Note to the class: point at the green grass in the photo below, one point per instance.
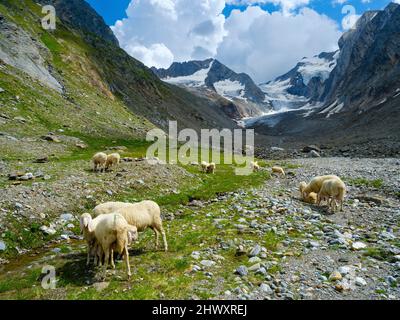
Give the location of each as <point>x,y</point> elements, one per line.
<point>362,182</point>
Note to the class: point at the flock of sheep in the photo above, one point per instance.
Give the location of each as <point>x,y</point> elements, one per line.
<point>114,226</point>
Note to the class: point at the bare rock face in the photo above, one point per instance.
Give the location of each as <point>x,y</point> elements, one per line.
<point>19,50</point>
<point>81,16</point>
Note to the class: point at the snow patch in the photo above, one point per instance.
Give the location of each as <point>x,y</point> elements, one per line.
<point>230,89</point>
<point>316,67</point>
<point>197,79</point>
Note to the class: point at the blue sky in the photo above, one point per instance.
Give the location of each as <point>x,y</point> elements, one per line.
<point>264,40</point>
<point>115,10</point>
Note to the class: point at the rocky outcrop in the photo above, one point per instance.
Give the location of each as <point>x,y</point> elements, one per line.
<point>81,16</point>
<point>19,50</point>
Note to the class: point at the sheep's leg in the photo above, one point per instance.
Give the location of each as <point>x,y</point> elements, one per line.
<point>106,258</point>
<point>88,255</point>
<point>164,239</point>
<point>112,259</point>
<point>128,267</point>
<point>156,233</point>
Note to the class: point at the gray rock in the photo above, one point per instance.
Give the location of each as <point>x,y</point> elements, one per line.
<point>242,271</point>
<point>255,251</point>
<point>314,154</point>
<point>207,263</point>
<point>67,217</point>
<point>266,289</point>
<point>3,246</point>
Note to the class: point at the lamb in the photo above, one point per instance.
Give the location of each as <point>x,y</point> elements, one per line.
<point>255,166</point>
<point>113,160</point>
<point>142,215</point>
<point>211,168</point>
<point>112,233</point>
<point>204,166</point>
<point>332,190</point>
<point>310,198</point>
<point>88,236</point>
<point>99,161</point>
<point>278,170</point>
<point>316,184</point>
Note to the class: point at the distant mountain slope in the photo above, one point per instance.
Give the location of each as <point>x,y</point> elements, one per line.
<point>301,84</point>
<point>82,46</point>
<point>211,74</point>
<point>361,97</point>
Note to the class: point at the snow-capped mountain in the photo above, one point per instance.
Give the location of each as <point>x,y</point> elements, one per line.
<point>302,84</point>
<point>212,75</point>
<point>357,95</point>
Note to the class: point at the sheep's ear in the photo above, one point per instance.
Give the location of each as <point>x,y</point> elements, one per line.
<point>90,226</point>
<point>132,235</point>
<point>84,222</point>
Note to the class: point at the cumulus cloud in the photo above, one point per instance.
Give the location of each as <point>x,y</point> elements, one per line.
<point>179,29</point>
<point>262,44</point>
<point>266,45</point>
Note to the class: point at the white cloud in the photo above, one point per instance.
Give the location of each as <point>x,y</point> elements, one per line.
<point>159,32</point>
<point>267,45</point>
<point>180,29</point>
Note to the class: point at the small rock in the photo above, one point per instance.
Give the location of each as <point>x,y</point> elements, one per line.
<point>242,271</point>
<point>47,230</point>
<point>335,276</point>
<point>255,251</point>
<point>266,288</point>
<point>67,217</point>
<point>207,263</point>
<point>314,154</point>
<point>3,246</point>
<point>100,286</point>
<point>360,282</point>
<point>254,260</point>
<point>358,246</point>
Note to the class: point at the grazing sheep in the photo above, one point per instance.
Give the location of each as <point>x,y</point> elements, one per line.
<point>278,170</point>
<point>92,249</point>
<point>204,166</point>
<point>113,160</point>
<point>142,215</point>
<point>332,190</point>
<point>99,161</point>
<point>316,184</point>
<point>211,168</point>
<point>112,234</point>
<point>310,198</point>
<point>255,166</point>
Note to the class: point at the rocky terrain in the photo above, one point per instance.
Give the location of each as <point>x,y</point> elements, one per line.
<point>260,242</point>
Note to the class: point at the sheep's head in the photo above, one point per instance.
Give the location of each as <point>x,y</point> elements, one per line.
<point>85,221</point>
<point>303,186</point>
<point>132,234</point>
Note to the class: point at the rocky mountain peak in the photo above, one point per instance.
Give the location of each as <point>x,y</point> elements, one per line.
<point>81,16</point>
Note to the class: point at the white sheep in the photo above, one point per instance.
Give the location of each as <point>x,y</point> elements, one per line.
<point>113,160</point>
<point>255,166</point>
<point>332,190</point>
<point>88,236</point>
<point>316,184</point>
<point>211,168</point>
<point>142,215</point>
<point>99,161</point>
<point>204,166</point>
<point>113,233</point>
<point>310,198</point>
<point>278,170</point>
